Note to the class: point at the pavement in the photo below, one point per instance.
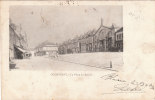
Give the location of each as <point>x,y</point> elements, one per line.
<point>72,62</point>
<point>46,63</point>
<point>112,60</point>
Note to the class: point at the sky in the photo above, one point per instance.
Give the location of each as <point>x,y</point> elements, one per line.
<point>60,23</point>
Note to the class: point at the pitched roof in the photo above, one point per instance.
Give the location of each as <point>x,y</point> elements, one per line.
<point>46,43</point>
<point>119,30</point>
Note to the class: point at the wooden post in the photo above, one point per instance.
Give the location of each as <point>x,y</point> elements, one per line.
<point>110,64</point>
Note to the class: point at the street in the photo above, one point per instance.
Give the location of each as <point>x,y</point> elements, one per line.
<point>45,63</point>
<point>72,62</point>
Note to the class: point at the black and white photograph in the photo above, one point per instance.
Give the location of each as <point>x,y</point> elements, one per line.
<point>71,38</point>
<point>77,50</point>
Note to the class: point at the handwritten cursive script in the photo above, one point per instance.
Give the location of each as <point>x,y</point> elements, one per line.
<point>113,77</point>
<point>125,86</point>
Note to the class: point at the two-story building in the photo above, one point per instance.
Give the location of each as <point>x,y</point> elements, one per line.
<point>17,42</point>
<point>46,49</point>
<point>104,38</point>
<point>119,39</point>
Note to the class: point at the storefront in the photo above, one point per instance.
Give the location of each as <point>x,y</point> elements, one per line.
<point>21,53</point>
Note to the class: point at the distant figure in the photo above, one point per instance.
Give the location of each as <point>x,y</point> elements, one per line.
<point>56,55</point>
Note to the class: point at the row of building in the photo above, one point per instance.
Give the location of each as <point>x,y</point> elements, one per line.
<point>104,39</point>
<point>17,42</point>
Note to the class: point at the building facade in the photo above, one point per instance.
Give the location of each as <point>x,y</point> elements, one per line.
<point>104,39</point>
<point>46,49</point>
<point>17,42</point>
<point>119,39</point>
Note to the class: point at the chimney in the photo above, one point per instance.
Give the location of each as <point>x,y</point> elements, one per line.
<point>112,26</point>
<point>101,22</point>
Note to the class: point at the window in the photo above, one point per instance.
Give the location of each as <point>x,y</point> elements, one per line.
<point>118,36</point>
<point>118,44</point>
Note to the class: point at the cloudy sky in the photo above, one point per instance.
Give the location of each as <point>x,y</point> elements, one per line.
<point>59,23</point>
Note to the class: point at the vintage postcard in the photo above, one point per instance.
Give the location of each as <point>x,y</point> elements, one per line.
<point>77,50</point>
